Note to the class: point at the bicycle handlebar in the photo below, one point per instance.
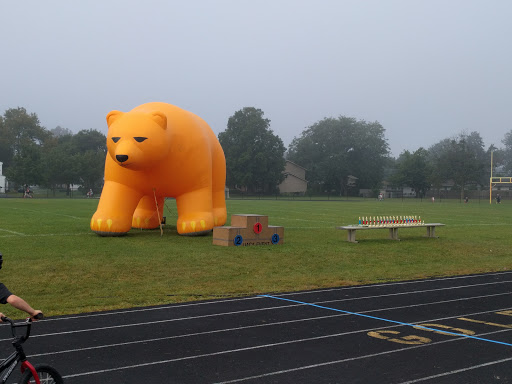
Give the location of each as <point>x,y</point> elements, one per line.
<point>39,316</point>
<point>27,324</point>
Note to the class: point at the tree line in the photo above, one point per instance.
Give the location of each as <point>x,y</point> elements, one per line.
<point>343,155</point>
<point>34,155</point>
<point>461,161</point>
<point>333,151</point>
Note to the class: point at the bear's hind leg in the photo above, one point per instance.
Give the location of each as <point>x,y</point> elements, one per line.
<point>218,186</point>
<point>146,215</point>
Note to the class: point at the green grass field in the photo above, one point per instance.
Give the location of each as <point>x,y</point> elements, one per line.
<point>55,262</point>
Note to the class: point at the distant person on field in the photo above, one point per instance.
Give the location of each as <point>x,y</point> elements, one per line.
<point>27,193</point>
<point>433,199</point>
<point>498,199</point>
<point>6,297</point>
<point>90,193</point>
<point>466,199</point>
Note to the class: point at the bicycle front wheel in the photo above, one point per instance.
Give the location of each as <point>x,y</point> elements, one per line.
<point>46,374</point>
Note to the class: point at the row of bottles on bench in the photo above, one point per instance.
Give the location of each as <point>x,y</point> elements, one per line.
<point>390,220</point>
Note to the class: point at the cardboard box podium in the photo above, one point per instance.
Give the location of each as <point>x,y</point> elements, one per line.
<point>246,230</point>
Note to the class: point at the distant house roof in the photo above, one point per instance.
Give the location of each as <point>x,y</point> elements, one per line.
<point>300,166</point>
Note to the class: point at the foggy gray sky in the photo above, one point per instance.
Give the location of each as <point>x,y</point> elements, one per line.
<point>426,70</point>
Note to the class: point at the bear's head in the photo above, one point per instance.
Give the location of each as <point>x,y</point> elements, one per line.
<point>137,140</point>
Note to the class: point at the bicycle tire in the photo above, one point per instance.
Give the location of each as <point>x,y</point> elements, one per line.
<point>46,373</point>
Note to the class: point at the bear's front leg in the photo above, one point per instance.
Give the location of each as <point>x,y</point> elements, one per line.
<point>115,209</point>
<point>195,212</point>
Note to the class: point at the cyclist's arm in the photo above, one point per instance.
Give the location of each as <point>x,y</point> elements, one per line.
<point>18,303</point>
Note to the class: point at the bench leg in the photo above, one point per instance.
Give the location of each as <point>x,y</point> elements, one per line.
<point>431,231</point>
<point>351,235</point>
<point>393,234</point>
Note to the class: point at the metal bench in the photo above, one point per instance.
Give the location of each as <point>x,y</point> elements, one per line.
<point>393,229</point>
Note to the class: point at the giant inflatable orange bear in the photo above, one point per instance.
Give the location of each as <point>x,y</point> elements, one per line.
<point>158,150</point>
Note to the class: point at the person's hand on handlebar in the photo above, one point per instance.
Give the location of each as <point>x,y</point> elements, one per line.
<point>36,315</point>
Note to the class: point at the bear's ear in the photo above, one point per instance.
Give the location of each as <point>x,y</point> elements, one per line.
<point>113,116</point>
<point>159,118</point>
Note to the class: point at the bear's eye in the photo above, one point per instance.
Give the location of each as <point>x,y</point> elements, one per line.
<point>139,139</point>
<point>116,139</point>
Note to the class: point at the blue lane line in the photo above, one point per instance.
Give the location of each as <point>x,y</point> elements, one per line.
<point>389,321</point>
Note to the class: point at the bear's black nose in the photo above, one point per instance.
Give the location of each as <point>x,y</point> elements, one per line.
<point>121,158</point>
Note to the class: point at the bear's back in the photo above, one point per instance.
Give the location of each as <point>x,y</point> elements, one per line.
<point>177,118</point>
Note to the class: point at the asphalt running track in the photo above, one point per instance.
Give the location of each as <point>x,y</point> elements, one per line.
<point>446,330</point>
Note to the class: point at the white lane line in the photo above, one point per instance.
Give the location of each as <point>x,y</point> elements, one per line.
<point>48,213</point>
<point>243,328</point>
<point>422,327</point>
<point>181,336</point>
<point>174,306</point>
<point>458,371</point>
<point>167,307</point>
<point>405,293</point>
<point>16,234</point>
<point>267,346</point>
<point>396,283</point>
<point>262,309</point>
<point>12,232</point>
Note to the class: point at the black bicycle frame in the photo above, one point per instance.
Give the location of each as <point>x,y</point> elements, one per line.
<point>11,362</point>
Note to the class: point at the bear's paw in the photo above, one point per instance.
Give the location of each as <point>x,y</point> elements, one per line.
<point>145,222</point>
<point>195,226</point>
<point>106,227</point>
